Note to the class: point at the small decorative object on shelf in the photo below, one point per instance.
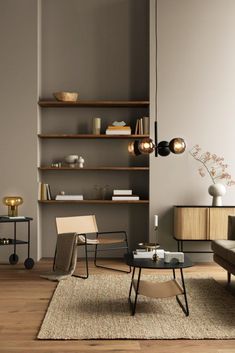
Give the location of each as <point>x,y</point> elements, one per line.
<point>217,170</point>
<point>104,192</point>
<point>66,96</point>
<point>96,126</point>
<point>12,202</point>
<point>56,165</point>
<point>81,162</point>
<point>71,160</point>
<point>4,241</point>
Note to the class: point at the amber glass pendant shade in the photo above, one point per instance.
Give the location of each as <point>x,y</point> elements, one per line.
<point>146,146</point>
<point>12,202</point>
<point>177,145</point>
<point>133,148</point>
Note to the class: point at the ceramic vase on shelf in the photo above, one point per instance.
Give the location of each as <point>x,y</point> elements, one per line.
<point>217,191</point>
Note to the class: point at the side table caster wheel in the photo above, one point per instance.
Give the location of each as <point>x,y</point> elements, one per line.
<point>29,263</point>
<point>13,259</point>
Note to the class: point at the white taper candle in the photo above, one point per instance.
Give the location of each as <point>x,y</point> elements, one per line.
<point>156,220</point>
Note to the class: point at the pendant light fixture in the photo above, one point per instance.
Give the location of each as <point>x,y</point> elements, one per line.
<point>146,145</point>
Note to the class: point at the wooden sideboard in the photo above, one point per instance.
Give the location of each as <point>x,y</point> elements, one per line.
<point>201,222</point>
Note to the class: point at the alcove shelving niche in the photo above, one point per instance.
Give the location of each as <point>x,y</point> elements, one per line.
<point>65,131</point>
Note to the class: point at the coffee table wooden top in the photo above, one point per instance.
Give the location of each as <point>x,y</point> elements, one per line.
<point>159,264</point>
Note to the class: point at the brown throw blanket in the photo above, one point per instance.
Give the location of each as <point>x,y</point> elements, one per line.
<point>66,258</point>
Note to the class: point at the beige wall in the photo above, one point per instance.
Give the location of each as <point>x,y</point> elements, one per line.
<point>18,113</point>
<point>196,59</point>
<point>196,85</point>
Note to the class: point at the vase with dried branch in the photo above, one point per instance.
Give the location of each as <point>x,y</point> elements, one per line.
<point>217,170</point>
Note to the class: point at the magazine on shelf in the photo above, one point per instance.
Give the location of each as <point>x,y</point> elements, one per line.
<point>118,132</point>
<point>69,197</point>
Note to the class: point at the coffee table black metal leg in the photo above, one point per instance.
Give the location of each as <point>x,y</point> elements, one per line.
<point>133,306</point>
<point>133,273</point>
<point>184,308</point>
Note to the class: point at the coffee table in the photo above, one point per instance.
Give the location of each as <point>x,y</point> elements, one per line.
<point>158,289</point>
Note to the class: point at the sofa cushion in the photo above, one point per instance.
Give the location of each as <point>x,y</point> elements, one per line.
<point>225,264</point>
<point>231,256</point>
<point>231,227</point>
<point>225,249</point>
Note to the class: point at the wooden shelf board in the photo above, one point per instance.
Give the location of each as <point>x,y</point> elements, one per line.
<point>95,168</point>
<point>53,202</point>
<point>89,136</point>
<point>48,103</point>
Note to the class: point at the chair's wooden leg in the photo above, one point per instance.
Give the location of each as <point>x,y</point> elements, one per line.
<point>229,277</point>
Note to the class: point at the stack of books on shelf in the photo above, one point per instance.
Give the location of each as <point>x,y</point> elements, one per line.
<point>142,126</point>
<point>118,130</point>
<point>69,197</point>
<point>124,195</point>
<point>44,192</point>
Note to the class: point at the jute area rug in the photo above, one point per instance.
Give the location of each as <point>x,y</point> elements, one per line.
<point>97,308</point>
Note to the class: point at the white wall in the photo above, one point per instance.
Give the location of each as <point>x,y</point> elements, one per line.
<point>195,100</point>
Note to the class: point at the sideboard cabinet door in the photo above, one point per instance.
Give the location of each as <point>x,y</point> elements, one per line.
<point>218,222</point>
<point>191,223</point>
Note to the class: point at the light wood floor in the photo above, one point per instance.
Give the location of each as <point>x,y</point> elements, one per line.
<point>24,297</point>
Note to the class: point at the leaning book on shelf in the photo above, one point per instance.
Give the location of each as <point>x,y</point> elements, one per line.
<point>48,192</point>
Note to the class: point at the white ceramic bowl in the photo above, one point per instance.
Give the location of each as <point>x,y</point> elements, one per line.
<point>71,159</point>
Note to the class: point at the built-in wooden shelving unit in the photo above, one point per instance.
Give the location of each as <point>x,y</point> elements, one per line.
<point>109,202</point>
<point>47,103</point>
<point>94,168</point>
<point>89,136</point>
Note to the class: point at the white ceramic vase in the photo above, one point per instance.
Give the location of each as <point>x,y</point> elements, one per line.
<point>217,191</point>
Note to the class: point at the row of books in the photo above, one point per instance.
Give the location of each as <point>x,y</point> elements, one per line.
<point>124,195</point>
<point>44,192</point>
<point>142,126</point>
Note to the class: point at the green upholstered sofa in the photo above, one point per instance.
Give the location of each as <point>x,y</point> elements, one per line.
<point>224,250</point>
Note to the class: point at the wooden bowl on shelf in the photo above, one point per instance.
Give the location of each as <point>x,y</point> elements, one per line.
<point>66,96</point>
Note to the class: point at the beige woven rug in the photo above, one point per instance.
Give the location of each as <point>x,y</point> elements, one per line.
<point>97,308</point>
